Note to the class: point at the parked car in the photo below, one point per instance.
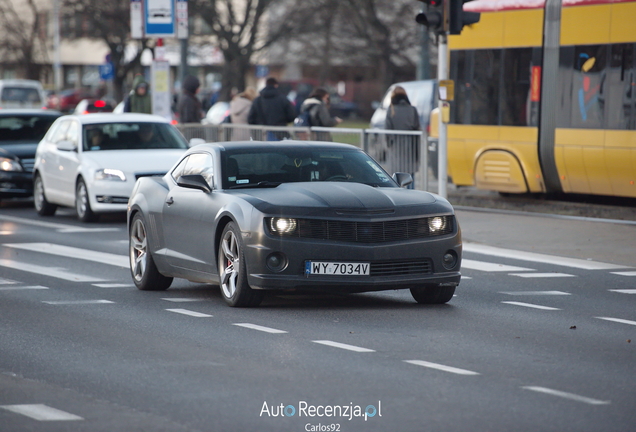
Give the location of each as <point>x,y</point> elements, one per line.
<point>255,216</point>
<point>21,93</point>
<point>89,106</point>
<point>422,95</point>
<point>91,162</point>
<point>20,132</point>
<point>67,100</point>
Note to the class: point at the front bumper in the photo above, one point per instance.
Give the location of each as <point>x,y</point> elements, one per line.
<point>410,264</point>
<point>15,184</point>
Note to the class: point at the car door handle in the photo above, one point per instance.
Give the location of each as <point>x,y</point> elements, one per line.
<point>170,201</point>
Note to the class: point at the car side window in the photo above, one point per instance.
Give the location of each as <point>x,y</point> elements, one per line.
<point>200,163</point>
<point>72,134</point>
<point>178,170</point>
<point>60,132</point>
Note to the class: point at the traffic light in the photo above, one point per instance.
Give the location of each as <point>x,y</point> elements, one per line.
<point>433,17</point>
<point>458,18</point>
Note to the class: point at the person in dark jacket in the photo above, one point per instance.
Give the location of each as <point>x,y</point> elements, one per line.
<point>189,107</point>
<point>139,100</point>
<point>401,115</point>
<point>272,108</point>
<point>317,105</point>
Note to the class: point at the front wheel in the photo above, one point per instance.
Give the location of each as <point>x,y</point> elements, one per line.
<point>431,294</point>
<point>232,271</point>
<point>142,267</point>
<point>42,206</point>
<point>82,203</point>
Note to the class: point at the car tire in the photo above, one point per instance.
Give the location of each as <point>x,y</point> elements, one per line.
<point>232,271</point>
<point>42,206</point>
<point>433,294</point>
<point>142,266</point>
<point>82,203</point>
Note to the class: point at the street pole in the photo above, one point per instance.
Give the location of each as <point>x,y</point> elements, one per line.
<point>57,63</point>
<point>442,74</point>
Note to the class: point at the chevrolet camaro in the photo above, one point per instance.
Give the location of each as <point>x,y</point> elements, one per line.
<point>257,216</point>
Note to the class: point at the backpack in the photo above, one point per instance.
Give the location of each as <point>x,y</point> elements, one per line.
<point>303,119</point>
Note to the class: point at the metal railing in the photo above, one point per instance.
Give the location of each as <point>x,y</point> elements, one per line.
<point>396,151</point>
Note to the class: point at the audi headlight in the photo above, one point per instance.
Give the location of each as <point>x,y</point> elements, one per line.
<point>282,226</point>
<point>7,164</point>
<point>436,224</point>
<point>110,174</point>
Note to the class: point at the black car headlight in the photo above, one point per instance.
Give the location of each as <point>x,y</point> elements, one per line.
<point>282,226</point>
<point>7,164</point>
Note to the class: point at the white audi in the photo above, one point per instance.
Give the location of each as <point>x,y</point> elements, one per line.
<point>91,162</point>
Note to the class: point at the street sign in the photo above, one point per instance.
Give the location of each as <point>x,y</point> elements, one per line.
<point>136,19</point>
<point>182,19</point>
<point>159,18</point>
<point>160,88</point>
<point>106,71</point>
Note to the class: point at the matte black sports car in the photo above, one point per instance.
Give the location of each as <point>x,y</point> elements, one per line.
<point>254,216</point>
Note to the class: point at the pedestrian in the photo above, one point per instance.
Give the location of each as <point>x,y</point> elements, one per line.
<point>317,107</point>
<point>241,104</point>
<point>189,107</point>
<point>401,115</point>
<point>139,101</point>
<point>272,108</point>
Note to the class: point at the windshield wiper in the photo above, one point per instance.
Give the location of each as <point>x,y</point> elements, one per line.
<point>262,184</point>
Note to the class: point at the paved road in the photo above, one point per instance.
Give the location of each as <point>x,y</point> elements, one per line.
<point>541,336</point>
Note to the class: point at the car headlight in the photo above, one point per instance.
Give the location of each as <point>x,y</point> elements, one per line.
<point>282,226</point>
<point>436,224</point>
<point>110,174</point>
<point>7,164</point>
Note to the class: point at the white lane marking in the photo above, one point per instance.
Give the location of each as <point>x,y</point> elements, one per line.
<point>566,395</point>
<point>490,267</point>
<point>629,273</point>
<point>343,346</point>
<point>536,257</point>
<point>541,275</point>
<point>535,293</point>
<point>73,252</point>
<point>259,328</point>
<point>15,288</point>
<point>56,226</point>
<point>7,281</point>
<point>466,277</point>
<point>183,300</point>
<point>624,291</point>
<point>618,320</point>
<point>41,412</point>
<point>530,305</point>
<point>78,302</point>
<point>189,313</point>
<point>441,367</point>
<point>48,271</point>
<point>112,285</point>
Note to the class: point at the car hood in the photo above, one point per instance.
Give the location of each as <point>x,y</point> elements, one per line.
<point>26,150</point>
<point>155,160</point>
<point>342,198</point>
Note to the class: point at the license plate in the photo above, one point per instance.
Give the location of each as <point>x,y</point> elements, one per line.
<point>336,268</point>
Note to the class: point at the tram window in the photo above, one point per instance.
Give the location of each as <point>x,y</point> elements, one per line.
<point>515,89</point>
<point>620,87</point>
<point>461,73</point>
<point>485,87</point>
<point>588,76</point>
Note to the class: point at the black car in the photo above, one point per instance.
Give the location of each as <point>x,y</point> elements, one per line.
<point>20,132</point>
<point>255,216</point>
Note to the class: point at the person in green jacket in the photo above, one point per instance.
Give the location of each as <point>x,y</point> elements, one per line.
<point>139,98</point>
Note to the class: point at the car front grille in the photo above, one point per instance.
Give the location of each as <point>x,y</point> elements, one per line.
<point>398,268</point>
<point>371,232</point>
<point>28,164</point>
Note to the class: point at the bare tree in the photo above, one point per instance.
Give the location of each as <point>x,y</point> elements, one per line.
<point>109,20</point>
<point>23,42</point>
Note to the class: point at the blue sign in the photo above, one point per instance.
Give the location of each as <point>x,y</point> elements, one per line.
<point>261,71</point>
<point>106,71</point>
<point>159,18</point>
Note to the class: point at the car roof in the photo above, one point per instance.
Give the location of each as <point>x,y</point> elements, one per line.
<point>254,145</point>
<point>23,82</point>
<point>116,118</point>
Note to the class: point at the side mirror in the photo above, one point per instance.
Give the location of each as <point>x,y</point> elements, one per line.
<point>403,179</point>
<point>196,141</point>
<point>194,181</point>
<point>66,146</point>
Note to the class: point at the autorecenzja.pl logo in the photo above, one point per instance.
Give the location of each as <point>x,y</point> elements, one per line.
<point>304,409</point>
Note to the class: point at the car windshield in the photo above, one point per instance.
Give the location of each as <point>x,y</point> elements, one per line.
<point>132,136</point>
<point>252,168</point>
<point>29,128</point>
<point>20,94</point>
